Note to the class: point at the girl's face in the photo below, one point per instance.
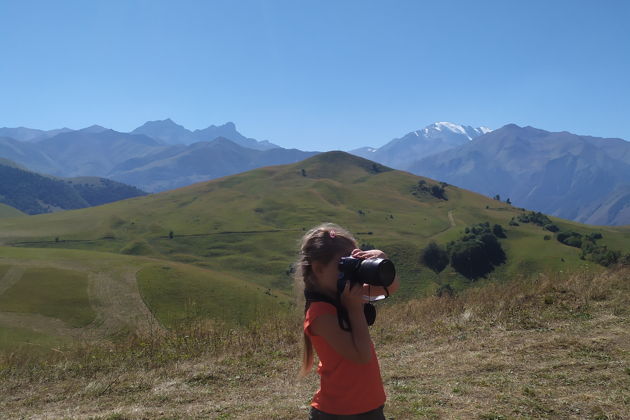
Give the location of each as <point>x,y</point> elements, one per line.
<point>326,275</point>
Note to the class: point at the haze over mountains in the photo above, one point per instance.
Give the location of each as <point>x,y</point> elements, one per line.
<point>582,178</point>
<point>157,156</point>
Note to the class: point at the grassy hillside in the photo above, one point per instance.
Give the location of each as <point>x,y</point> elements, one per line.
<point>248,225</point>
<point>222,250</point>
<point>540,347</point>
<point>193,285</point>
<point>33,193</point>
<point>8,211</point>
<point>58,294</point>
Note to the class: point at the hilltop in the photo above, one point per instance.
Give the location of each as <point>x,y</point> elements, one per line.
<point>34,193</point>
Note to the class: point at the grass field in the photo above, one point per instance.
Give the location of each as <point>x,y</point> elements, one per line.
<point>178,294</point>
<point>51,292</point>
<point>547,346</point>
<point>25,340</point>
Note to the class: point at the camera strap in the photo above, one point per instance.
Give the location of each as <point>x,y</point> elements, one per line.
<point>342,315</point>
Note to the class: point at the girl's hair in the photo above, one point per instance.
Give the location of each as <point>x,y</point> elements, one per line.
<point>320,244</point>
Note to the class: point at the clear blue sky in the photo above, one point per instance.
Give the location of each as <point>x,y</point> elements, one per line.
<point>317,74</point>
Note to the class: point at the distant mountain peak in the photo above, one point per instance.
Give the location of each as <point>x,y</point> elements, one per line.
<point>434,138</point>
<point>94,129</point>
<point>442,127</point>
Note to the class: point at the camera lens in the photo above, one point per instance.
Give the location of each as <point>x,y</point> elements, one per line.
<point>377,272</point>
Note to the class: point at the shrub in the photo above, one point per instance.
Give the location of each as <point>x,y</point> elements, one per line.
<point>435,190</point>
<point>498,231</point>
<point>602,255</point>
<point>477,252</point>
<point>434,257</point>
<point>551,227</point>
<point>573,239</point>
<point>536,218</point>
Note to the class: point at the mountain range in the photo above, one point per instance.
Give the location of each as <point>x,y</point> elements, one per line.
<point>581,178</point>
<point>157,156</point>
<point>172,133</point>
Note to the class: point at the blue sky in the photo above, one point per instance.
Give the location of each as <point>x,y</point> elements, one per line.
<point>317,75</point>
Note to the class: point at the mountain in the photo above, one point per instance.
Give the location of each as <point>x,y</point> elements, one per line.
<point>401,152</point>
<point>148,161</point>
<point>94,151</point>
<point>561,174</point>
<point>179,166</point>
<point>166,131</point>
<point>33,193</point>
<point>171,133</point>
<point>27,154</point>
<point>30,134</point>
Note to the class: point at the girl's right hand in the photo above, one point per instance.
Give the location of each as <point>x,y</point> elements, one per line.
<point>352,297</point>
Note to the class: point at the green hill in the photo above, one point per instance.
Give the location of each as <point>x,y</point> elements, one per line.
<point>34,193</point>
<point>248,225</point>
<point>8,211</point>
<point>223,249</point>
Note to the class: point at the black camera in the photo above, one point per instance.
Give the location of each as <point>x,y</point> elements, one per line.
<point>373,271</point>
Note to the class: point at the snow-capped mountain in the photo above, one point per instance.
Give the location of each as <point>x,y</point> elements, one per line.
<point>438,137</point>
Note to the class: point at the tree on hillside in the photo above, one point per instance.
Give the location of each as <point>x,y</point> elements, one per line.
<point>434,257</point>
<point>498,231</point>
<point>477,251</point>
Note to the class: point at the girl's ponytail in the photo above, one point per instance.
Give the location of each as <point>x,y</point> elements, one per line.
<point>307,356</point>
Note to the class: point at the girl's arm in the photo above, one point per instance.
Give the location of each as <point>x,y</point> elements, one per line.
<point>369,290</point>
<point>355,345</point>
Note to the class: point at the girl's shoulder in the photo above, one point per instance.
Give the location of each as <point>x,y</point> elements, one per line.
<point>317,309</point>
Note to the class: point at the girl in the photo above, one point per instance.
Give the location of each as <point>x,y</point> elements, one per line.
<point>351,385</point>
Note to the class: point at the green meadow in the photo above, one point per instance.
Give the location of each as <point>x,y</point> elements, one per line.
<point>26,340</point>
<point>179,294</point>
<point>8,211</point>
<point>50,292</point>
<point>222,250</point>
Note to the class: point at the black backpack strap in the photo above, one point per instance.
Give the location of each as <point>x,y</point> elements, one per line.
<point>342,315</point>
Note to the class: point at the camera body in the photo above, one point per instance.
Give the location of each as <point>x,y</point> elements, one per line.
<point>373,271</point>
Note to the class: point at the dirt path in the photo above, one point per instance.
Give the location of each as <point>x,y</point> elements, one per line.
<point>113,294</point>
<point>116,299</point>
<point>451,219</point>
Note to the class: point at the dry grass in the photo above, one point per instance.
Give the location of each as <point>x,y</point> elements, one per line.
<point>549,347</point>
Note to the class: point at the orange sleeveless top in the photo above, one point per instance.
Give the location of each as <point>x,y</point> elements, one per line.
<point>345,387</point>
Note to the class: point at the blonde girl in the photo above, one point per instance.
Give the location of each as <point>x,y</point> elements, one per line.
<point>350,380</point>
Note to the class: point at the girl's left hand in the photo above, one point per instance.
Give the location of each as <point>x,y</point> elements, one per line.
<point>364,255</point>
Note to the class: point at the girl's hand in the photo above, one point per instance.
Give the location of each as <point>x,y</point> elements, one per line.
<point>364,255</point>
<point>352,297</point>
